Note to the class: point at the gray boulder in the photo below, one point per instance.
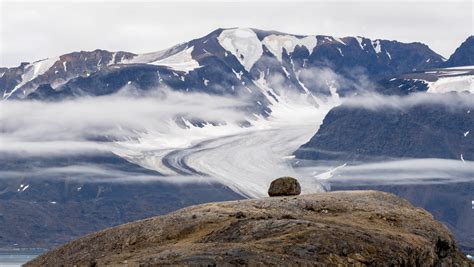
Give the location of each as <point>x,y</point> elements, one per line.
<point>284,186</point>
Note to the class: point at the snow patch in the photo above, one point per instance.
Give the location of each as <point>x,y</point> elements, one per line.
<point>243,44</point>
<point>181,61</point>
<point>452,84</point>
<point>149,57</point>
<point>339,40</point>
<point>276,43</point>
<point>238,74</point>
<point>285,71</point>
<point>377,46</point>
<point>340,51</point>
<point>32,71</point>
<point>22,187</point>
<point>112,61</point>
<point>359,41</point>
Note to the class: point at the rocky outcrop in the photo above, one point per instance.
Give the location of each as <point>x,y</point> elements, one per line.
<point>284,186</point>
<point>357,228</point>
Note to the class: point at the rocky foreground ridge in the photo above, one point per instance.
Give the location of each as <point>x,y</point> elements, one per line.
<point>357,228</point>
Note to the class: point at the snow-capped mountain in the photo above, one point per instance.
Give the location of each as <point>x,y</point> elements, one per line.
<point>454,75</point>
<point>227,61</point>
<point>424,124</point>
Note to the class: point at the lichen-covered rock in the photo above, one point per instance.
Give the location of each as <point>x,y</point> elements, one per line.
<point>344,228</point>
<point>284,186</point>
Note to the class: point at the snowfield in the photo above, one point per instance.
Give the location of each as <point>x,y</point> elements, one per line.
<point>452,84</point>
<point>181,61</point>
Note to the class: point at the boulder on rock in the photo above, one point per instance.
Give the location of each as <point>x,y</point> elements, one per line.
<point>284,186</point>
<point>344,228</point>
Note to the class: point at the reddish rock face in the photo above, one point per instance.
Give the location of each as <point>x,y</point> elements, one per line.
<point>65,68</point>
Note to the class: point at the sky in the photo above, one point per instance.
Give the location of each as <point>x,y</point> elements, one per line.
<point>34,30</point>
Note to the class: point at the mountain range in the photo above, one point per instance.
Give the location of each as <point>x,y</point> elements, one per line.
<point>227,61</point>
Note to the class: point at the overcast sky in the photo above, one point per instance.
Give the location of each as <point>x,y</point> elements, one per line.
<point>33,30</point>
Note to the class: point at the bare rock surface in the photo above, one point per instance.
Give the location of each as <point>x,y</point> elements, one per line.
<point>356,228</point>
<point>284,186</point>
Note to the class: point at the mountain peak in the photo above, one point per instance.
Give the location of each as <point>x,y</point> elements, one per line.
<point>463,56</point>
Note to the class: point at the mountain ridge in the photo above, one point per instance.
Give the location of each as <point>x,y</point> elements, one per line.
<point>462,56</point>
<point>286,52</point>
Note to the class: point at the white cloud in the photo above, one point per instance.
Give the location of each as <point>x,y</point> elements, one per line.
<point>96,173</point>
<point>375,101</point>
<point>404,171</point>
<point>69,126</point>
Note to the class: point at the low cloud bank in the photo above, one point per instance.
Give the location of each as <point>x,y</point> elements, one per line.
<point>407,171</point>
<point>375,101</point>
<point>83,124</point>
<point>94,173</point>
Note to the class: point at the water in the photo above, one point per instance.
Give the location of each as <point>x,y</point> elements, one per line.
<point>14,258</point>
